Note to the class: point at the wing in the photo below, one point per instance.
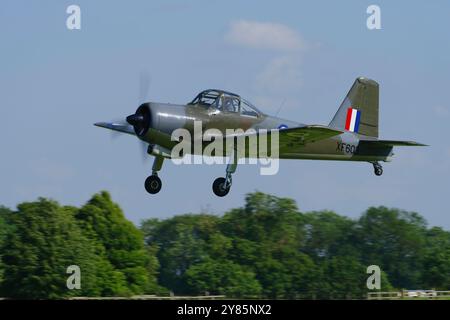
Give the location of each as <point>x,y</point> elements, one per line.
<point>306,134</point>
<point>298,135</point>
<point>124,128</point>
<point>291,139</point>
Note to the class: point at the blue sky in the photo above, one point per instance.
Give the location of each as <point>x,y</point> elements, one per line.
<point>55,83</point>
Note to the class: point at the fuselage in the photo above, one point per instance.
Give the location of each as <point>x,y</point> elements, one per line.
<point>166,118</point>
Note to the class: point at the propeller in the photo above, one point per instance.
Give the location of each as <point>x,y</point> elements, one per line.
<point>140,119</point>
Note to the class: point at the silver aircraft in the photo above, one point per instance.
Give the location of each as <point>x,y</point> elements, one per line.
<point>352,134</point>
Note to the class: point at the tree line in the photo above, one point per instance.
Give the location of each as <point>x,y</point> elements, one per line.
<point>265,249</point>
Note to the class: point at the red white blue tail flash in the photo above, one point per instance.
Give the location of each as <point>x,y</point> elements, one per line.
<point>352,121</point>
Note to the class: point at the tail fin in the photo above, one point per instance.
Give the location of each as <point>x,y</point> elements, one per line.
<point>359,110</point>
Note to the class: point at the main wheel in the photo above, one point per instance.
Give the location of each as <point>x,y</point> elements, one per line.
<point>153,184</point>
<point>218,187</point>
<point>378,171</point>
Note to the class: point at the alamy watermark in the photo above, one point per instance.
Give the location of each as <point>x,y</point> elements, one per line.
<point>212,146</point>
<point>74,280</point>
<point>73,21</point>
<point>373,22</point>
<point>374,280</point>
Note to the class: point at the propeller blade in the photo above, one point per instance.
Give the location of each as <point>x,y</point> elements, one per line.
<point>115,134</point>
<point>143,146</point>
<point>144,90</point>
<point>144,85</point>
<point>137,120</point>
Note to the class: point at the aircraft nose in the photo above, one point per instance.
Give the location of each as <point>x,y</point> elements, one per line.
<point>141,120</point>
<point>135,119</point>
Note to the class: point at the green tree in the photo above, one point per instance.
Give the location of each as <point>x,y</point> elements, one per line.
<point>330,242</point>
<point>436,261</point>
<point>45,241</point>
<point>328,235</point>
<point>268,236</point>
<point>103,222</point>
<point>182,241</point>
<point>267,248</point>
<point>264,218</point>
<point>345,278</point>
<point>4,213</point>
<point>395,241</point>
<point>222,277</point>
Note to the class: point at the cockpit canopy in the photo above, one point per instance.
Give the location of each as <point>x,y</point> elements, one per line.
<point>226,102</point>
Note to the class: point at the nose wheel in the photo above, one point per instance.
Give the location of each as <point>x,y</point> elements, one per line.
<point>153,183</point>
<point>221,186</point>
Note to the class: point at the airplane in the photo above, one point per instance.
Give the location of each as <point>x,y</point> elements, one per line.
<point>352,134</point>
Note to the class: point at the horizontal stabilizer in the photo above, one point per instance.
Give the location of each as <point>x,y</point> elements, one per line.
<point>125,128</point>
<point>391,143</point>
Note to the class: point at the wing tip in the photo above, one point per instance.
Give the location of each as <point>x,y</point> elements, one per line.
<point>396,143</point>
<point>415,144</point>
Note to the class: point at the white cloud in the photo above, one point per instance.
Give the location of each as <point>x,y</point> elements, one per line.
<point>264,35</point>
<point>441,111</point>
<point>281,75</point>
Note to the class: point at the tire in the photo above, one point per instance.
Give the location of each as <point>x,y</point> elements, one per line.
<point>153,184</point>
<point>218,187</point>
<point>378,171</point>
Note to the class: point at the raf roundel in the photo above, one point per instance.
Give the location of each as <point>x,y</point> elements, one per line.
<point>282,126</point>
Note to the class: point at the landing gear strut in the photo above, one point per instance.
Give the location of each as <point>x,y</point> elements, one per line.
<point>153,183</point>
<point>377,168</point>
<point>221,186</point>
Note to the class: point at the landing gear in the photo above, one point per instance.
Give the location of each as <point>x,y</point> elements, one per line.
<point>153,183</point>
<point>221,186</point>
<point>377,168</point>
